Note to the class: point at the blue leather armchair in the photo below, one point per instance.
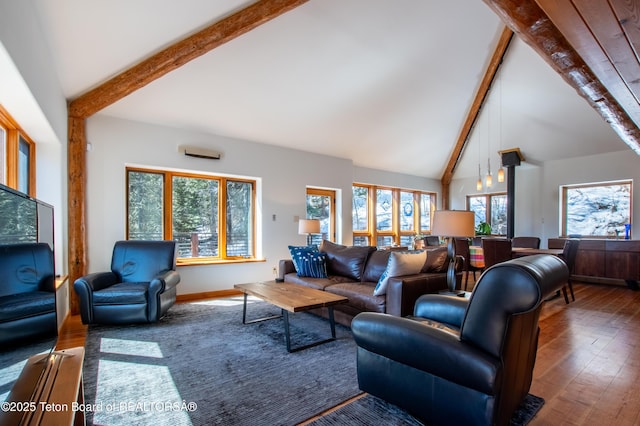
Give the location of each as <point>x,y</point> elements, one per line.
<point>457,360</point>
<point>27,292</point>
<point>140,288</point>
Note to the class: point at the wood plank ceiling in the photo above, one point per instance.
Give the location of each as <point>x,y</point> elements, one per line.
<point>593,45</point>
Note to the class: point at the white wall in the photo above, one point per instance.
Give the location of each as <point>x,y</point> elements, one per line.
<point>398,180</point>
<point>596,168</point>
<point>30,91</point>
<point>537,210</point>
<point>284,175</point>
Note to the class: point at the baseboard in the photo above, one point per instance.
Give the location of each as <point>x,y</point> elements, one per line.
<point>207,295</point>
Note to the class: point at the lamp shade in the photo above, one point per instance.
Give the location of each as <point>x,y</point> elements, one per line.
<point>308,226</point>
<point>453,223</point>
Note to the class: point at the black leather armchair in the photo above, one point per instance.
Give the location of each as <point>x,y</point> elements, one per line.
<point>457,360</point>
<point>27,292</point>
<point>140,288</point>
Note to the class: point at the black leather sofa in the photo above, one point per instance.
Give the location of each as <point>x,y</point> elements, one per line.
<point>140,288</point>
<point>458,360</point>
<point>27,292</point>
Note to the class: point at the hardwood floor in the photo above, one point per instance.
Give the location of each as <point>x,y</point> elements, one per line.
<point>588,363</point>
<point>73,333</point>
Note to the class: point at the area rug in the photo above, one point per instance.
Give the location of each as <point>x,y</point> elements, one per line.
<point>201,366</point>
<point>370,410</point>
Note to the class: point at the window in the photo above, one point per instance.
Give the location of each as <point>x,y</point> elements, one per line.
<point>212,218</point>
<point>384,216</point>
<point>596,210</point>
<point>17,156</point>
<point>321,205</point>
<point>24,165</point>
<point>490,208</point>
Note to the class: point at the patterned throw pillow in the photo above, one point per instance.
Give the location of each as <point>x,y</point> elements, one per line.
<point>308,261</point>
<point>400,263</point>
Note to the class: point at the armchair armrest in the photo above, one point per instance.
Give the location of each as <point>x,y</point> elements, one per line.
<point>165,280</point>
<point>426,348</point>
<point>85,286</point>
<point>285,266</point>
<point>402,292</point>
<point>96,281</point>
<point>445,309</point>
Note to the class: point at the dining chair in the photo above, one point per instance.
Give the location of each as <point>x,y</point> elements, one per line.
<point>462,250</point>
<point>569,253</point>
<point>525,242</point>
<point>496,250</point>
<point>432,240</point>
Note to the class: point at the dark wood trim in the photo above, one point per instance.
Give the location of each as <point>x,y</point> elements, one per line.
<point>191,297</point>
<point>474,111</point>
<point>178,54</point>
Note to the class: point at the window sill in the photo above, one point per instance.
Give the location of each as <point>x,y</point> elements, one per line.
<point>199,262</point>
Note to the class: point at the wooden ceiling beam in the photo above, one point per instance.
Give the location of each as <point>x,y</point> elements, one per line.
<point>474,111</point>
<point>533,26</point>
<point>178,54</point>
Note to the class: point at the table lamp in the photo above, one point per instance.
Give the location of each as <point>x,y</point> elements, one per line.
<point>453,224</point>
<point>308,227</point>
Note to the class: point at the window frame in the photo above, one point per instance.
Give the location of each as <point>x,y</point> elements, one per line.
<point>11,167</point>
<point>396,233</point>
<point>331,236</point>
<point>167,214</point>
<point>488,198</point>
<point>563,203</point>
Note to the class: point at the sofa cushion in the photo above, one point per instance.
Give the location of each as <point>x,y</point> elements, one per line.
<point>347,261</point>
<point>317,283</point>
<point>376,264</point>
<point>400,263</point>
<point>360,296</point>
<point>23,305</point>
<point>436,260</point>
<point>308,261</point>
<point>122,294</point>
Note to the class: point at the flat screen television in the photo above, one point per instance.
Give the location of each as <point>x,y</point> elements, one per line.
<point>23,219</point>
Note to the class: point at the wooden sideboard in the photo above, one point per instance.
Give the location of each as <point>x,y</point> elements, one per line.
<point>605,261</point>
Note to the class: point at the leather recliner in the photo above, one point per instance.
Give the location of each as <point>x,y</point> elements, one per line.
<point>140,288</point>
<point>27,292</point>
<point>458,360</point>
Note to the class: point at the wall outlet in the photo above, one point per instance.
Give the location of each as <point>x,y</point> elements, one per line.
<point>275,271</point>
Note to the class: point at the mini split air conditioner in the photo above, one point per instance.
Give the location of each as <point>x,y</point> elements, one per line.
<point>195,151</point>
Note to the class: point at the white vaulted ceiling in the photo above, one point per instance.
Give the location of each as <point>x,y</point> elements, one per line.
<point>387,84</point>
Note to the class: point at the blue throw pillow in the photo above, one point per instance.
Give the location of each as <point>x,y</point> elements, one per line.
<point>308,261</point>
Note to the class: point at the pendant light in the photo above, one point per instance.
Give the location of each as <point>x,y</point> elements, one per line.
<point>479,182</point>
<point>501,169</point>
<point>488,180</point>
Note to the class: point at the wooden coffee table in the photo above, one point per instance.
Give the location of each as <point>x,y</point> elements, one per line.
<point>291,298</point>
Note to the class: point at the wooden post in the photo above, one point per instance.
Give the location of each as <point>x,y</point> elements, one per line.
<point>77,182</point>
